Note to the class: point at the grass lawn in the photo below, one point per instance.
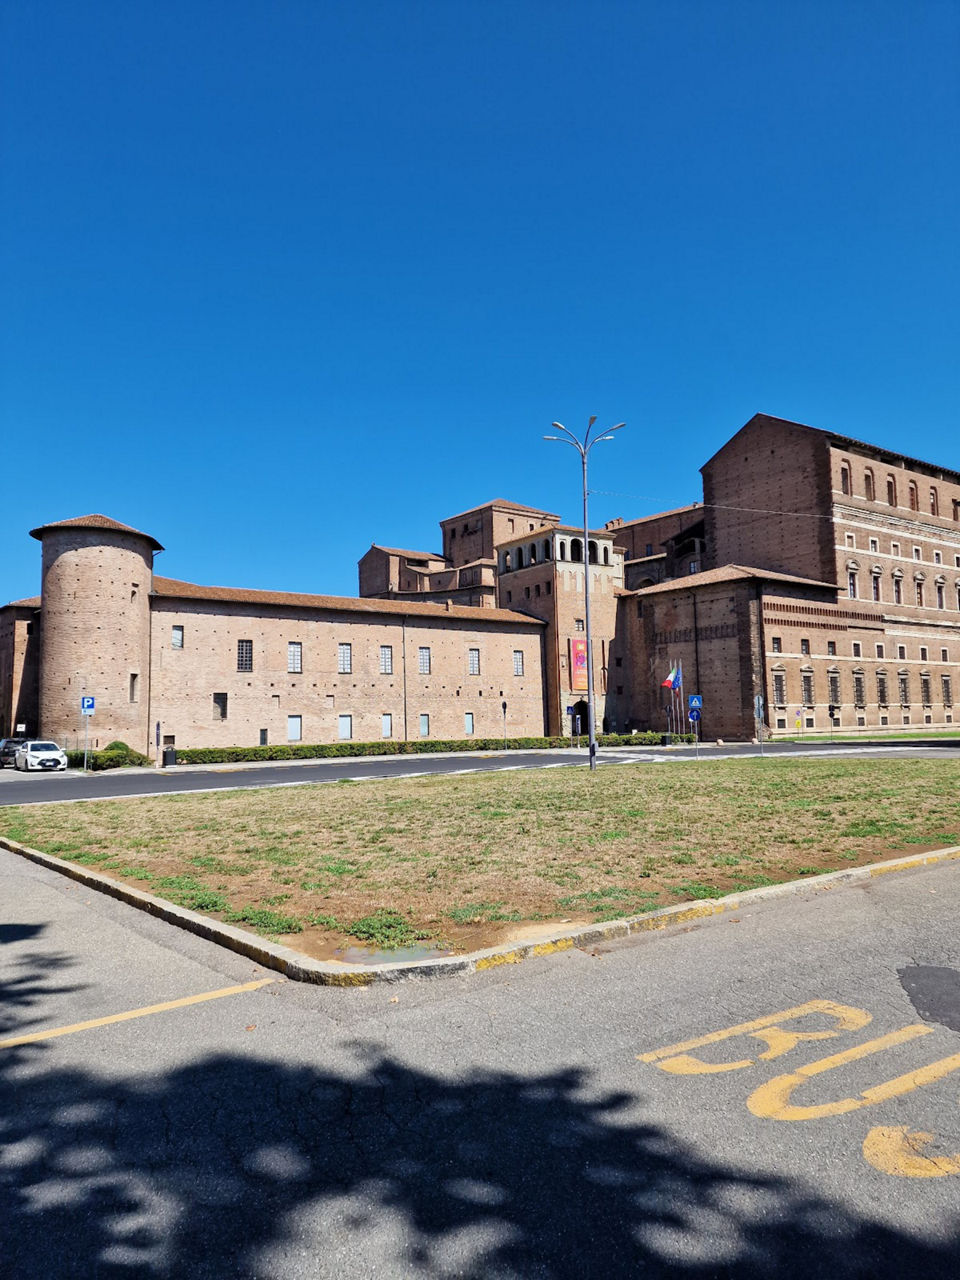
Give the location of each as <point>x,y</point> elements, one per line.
<point>469,860</point>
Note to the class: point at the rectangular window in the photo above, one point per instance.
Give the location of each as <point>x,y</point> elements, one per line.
<point>881,689</point>
<point>467,723</point>
<point>831,648</point>
<point>947,691</point>
<point>834,682</point>
<point>859,693</point>
<point>648,549</point>
<point>344,728</point>
<point>875,586</point>
<point>386,659</point>
<point>779,689</point>
<point>916,553</point>
<point>925,690</point>
<point>578,624</point>
<point>176,637</point>
<point>943,656</point>
<point>920,594</point>
<point>694,566</point>
<point>294,728</point>
<point>852,585</point>
<point>879,650</point>
<point>776,644</point>
<point>344,659</point>
<point>806,685</point>
<point>294,657</point>
<point>897,591</point>
<point>134,687</point>
<point>473,662</point>
<point>941,601</point>
<point>423,660</point>
<point>424,725</point>
<point>874,545</point>
<point>805,646</point>
<point>244,655</point>
<point>219,706</point>
<point>901,651</point>
<point>903,684</point>
<point>518,662</point>
<point>923,653</point>
<point>937,558</point>
<point>263,737</point>
<point>850,540</point>
<point>386,725</point>
<point>894,548</point>
<point>857,649</point>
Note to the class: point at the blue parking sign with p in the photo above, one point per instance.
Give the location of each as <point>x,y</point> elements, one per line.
<point>87,706</point>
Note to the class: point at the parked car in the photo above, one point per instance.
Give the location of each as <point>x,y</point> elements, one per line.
<point>39,755</point>
<point>8,749</point>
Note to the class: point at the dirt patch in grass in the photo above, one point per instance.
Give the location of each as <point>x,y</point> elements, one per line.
<point>476,859</point>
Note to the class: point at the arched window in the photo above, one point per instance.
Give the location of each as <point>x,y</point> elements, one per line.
<point>506,562</point>
<point>934,502</point>
<point>914,497</point>
<point>532,553</point>
<point>563,549</point>
<point>898,586</point>
<point>592,550</point>
<point>576,550</point>
<point>852,569</point>
<point>868,489</point>
<point>546,549</point>
<point>519,551</point>
<point>606,555</point>
<point>891,491</point>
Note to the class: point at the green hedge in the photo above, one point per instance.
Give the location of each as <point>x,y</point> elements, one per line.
<point>335,750</point>
<point>109,758</point>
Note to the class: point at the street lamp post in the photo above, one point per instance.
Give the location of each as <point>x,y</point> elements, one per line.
<point>583,447</point>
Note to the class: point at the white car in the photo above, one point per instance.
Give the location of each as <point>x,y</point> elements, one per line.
<point>39,755</point>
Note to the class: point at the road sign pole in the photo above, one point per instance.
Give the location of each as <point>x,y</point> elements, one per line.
<point>86,740</point>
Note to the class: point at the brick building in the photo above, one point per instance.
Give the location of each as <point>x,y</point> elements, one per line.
<point>818,572</point>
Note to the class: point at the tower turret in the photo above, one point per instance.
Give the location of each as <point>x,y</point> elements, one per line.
<point>95,628</point>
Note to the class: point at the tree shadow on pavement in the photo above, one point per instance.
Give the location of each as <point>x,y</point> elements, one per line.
<point>237,1166</point>
<point>27,981</point>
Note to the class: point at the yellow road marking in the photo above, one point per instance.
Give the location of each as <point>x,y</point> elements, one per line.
<point>895,1150</point>
<point>772,1100</point>
<point>675,1060</point>
<point>135,1013</point>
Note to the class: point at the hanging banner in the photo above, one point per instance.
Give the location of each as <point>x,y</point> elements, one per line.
<point>578,664</point>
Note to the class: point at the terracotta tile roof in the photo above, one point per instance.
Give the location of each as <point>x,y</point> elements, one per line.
<point>502,502</point>
<point>32,602</point>
<point>657,515</point>
<point>94,522</point>
<point>173,589</point>
<point>398,551</point>
<point>731,573</point>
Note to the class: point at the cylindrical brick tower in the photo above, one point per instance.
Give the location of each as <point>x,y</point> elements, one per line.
<point>95,630</point>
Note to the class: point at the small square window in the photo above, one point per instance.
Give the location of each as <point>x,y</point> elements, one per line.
<point>176,637</point>
<point>578,624</point>
<point>850,540</point>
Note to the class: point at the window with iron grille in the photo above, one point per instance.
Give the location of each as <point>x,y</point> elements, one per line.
<point>344,659</point>
<point>804,646</point>
<point>219,706</point>
<point>294,657</point>
<point>518,662</point>
<point>835,689</point>
<point>881,688</point>
<point>423,660</point>
<point>925,690</point>
<point>947,691</point>
<point>903,684</point>
<point>776,644</point>
<point>859,689</point>
<point>473,662</point>
<point>386,659</point>
<point>244,655</point>
<point>806,686</point>
<point>780,689</point>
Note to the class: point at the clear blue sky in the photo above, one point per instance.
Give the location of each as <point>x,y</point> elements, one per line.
<point>285,278</point>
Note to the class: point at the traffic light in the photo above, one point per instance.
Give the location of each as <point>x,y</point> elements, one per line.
<point>831,711</point>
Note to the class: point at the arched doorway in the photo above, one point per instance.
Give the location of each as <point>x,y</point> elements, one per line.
<point>579,715</point>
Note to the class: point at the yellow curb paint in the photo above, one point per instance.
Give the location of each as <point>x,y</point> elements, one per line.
<point>135,1013</point>
<point>548,948</point>
<point>772,1100</point>
<point>921,860</point>
<point>895,1150</point>
<point>676,1060</point>
<point>505,957</point>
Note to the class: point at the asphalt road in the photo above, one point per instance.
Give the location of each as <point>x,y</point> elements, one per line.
<point>41,788</point>
<point>708,1102</point>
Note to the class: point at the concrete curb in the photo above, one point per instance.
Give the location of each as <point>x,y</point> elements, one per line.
<point>302,968</point>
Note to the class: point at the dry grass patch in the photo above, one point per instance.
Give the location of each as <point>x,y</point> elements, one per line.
<point>465,859</point>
